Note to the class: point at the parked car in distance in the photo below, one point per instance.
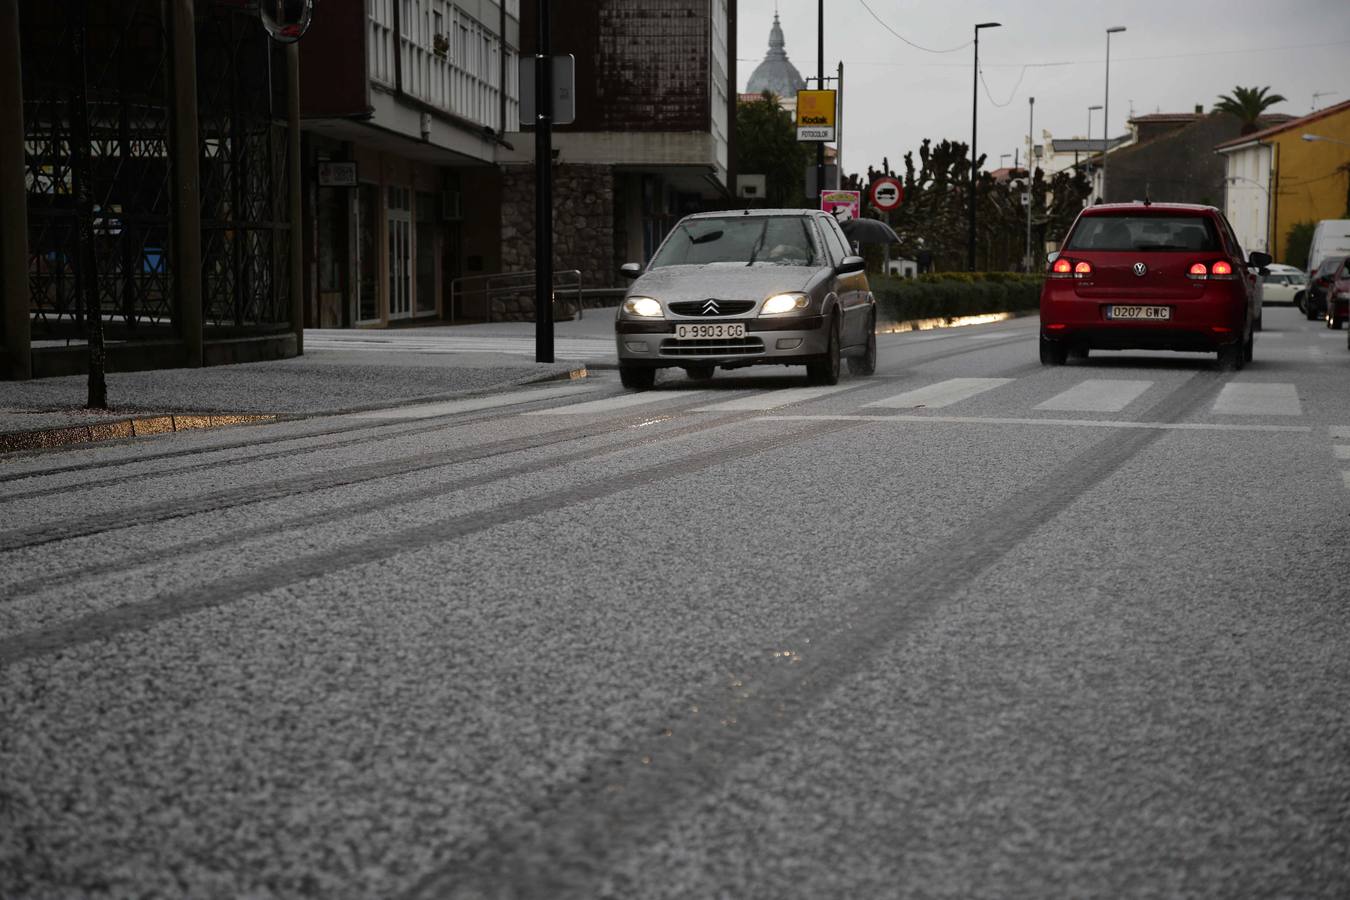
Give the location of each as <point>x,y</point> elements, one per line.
<point>747,288</point>
<point>1331,237</point>
<point>1281,284</point>
<point>1150,276</point>
<point>1319,282</point>
<point>1337,300</point>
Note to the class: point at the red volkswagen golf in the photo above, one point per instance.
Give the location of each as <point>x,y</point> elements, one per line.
<point>1151,276</point>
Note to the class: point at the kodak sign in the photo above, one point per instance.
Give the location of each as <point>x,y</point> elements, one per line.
<point>815,115</point>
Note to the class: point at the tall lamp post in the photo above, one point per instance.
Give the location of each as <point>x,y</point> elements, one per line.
<point>820,85</point>
<point>1106,106</point>
<point>1091,110</point>
<point>974,130</point>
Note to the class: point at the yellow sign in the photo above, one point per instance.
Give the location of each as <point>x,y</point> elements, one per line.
<point>815,115</point>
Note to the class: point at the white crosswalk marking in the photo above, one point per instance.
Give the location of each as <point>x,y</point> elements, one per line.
<point>944,393</point>
<point>1342,451</point>
<point>774,399</point>
<point>471,404</point>
<point>1340,432</point>
<point>1251,399</point>
<point>621,401</point>
<point>1097,395</point>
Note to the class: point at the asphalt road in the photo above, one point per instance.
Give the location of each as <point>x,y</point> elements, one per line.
<point>967,628</point>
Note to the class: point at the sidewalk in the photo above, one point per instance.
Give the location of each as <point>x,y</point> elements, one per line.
<point>341,371</point>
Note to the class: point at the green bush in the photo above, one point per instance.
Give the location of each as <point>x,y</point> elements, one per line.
<point>949,295</point>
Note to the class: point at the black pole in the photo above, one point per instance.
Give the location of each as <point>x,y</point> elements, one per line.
<point>820,85</point>
<point>543,192</point>
<point>86,271</point>
<point>974,159</point>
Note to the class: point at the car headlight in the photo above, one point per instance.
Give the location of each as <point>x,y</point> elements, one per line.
<point>642,306</point>
<point>780,304</point>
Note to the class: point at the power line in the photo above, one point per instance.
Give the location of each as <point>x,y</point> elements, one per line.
<point>907,40</point>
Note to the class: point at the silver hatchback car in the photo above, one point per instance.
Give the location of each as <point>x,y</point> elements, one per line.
<point>758,287</point>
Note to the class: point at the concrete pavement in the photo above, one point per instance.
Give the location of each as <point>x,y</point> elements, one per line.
<point>341,371</point>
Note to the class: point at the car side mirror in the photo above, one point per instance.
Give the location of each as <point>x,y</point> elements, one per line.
<point>630,270</point>
<point>1258,260</point>
<point>849,265</point>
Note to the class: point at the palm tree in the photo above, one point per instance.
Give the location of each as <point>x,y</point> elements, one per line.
<point>1247,104</point>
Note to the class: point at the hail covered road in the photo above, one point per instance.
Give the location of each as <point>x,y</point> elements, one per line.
<point>967,628</point>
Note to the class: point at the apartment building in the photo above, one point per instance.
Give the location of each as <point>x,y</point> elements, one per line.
<point>404,105</point>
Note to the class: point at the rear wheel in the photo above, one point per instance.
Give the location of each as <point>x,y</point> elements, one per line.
<point>826,372</point>
<point>1231,357</point>
<point>637,378</point>
<point>1079,353</point>
<point>1248,349</point>
<point>867,363</point>
<point>1309,308</point>
<point>1053,354</point>
<point>700,373</point>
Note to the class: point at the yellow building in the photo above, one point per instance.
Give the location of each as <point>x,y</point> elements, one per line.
<point>1277,178</point>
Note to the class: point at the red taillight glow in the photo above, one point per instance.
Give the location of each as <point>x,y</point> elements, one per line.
<point>1222,269</point>
<point>1198,272</point>
<point>1061,267</point>
<point>1083,269</point>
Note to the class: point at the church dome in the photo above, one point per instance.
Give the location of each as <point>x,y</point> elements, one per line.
<point>776,74</point>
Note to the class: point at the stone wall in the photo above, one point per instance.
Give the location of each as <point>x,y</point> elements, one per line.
<point>583,229</point>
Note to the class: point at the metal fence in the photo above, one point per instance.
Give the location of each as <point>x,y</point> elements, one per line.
<point>484,298</point>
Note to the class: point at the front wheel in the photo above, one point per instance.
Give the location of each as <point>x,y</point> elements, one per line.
<point>867,363</point>
<point>826,372</point>
<point>700,373</point>
<point>637,378</point>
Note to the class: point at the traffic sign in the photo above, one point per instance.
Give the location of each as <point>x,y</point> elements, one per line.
<point>886,194</point>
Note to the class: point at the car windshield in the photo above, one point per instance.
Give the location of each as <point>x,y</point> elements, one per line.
<point>1144,232</point>
<point>740,240</point>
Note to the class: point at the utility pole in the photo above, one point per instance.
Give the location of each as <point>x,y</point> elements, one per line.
<point>543,191</point>
<point>839,134</point>
<point>820,84</point>
<point>1031,159</point>
<point>1106,107</point>
<point>86,271</point>
<point>974,156</point>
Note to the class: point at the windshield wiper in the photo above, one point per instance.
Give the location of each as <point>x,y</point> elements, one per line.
<point>759,242</point>
<point>706,237</point>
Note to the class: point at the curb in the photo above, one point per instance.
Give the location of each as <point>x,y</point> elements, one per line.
<point>67,435</point>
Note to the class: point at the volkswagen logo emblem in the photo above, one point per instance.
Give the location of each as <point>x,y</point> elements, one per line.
<point>711,308</point>
<point>1140,269</point>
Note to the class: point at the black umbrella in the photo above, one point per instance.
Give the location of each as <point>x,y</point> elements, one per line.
<point>869,231</point>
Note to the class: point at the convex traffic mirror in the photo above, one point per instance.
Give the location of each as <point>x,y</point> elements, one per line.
<point>286,20</point>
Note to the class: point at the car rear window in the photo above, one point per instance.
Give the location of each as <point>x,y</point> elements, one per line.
<point>1144,232</point>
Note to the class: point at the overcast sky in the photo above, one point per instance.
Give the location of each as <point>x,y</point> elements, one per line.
<point>1174,55</point>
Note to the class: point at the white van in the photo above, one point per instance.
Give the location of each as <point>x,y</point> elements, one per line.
<point>1331,237</point>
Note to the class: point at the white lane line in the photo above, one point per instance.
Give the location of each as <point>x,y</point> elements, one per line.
<point>1083,423</point>
<point>1342,451</point>
<point>1345,476</point>
<point>472,404</point>
<point>944,393</point>
<point>1252,399</point>
<point>1340,432</point>
<point>621,401</point>
<point>775,399</point>
<point>1097,395</point>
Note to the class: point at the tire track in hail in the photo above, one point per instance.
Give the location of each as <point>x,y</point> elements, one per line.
<point>625,801</point>
<point>144,614</point>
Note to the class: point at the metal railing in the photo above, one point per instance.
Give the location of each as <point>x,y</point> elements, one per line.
<point>479,293</point>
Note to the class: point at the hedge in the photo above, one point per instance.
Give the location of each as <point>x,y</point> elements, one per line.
<point>953,294</point>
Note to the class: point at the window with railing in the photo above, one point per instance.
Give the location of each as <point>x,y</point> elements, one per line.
<point>446,58</point>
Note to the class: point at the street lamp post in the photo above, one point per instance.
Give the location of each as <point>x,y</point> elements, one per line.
<point>820,84</point>
<point>974,156</point>
<point>1087,165</point>
<point>1106,107</point>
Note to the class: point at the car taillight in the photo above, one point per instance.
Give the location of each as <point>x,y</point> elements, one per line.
<point>1082,269</point>
<point>1198,271</point>
<point>1061,268</point>
<point>1221,270</point>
